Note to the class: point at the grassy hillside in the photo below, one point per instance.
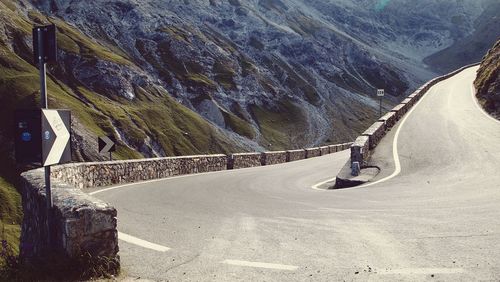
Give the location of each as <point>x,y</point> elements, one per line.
<point>487,82</point>
<point>152,113</point>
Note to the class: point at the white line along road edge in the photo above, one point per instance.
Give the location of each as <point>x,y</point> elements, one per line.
<point>141,243</point>
<point>260,264</point>
<point>397,164</point>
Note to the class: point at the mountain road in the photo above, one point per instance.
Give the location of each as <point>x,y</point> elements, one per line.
<point>437,217</point>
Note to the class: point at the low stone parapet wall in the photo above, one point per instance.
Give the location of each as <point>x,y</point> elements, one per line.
<point>360,150</point>
<point>347,146</point>
<point>117,172</point>
<point>389,120</point>
<point>80,224</point>
<point>415,95</point>
<point>399,111</point>
<point>324,150</point>
<point>295,155</point>
<point>244,160</point>
<point>276,157</point>
<point>313,152</point>
<point>409,102</point>
<point>375,133</point>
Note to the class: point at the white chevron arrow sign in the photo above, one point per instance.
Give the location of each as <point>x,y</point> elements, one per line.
<point>55,137</point>
<point>106,145</point>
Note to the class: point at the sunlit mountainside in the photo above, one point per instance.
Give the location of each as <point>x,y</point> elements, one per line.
<point>191,77</point>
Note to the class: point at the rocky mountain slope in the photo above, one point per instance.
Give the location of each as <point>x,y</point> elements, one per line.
<point>201,76</point>
<point>469,47</point>
<point>266,73</point>
<point>487,82</point>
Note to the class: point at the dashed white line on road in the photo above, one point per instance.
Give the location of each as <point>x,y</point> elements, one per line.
<point>141,243</point>
<point>260,264</point>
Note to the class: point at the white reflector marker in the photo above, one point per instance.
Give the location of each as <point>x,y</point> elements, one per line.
<point>142,243</point>
<point>261,265</point>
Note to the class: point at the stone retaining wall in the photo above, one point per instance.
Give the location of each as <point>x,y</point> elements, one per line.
<point>375,133</point>
<point>313,152</point>
<point>277,157</point>
<point>244,160</point>
<point>117,172</point>
<point>81,224</point>
<point>389,120</point>
<point>295,155</point>
<point>414,95</point>
<point>399,111</point>
<point>324,150</point>
<point>360,150</point>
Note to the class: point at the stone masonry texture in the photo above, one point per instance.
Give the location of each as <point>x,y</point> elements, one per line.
<point>80,223</point>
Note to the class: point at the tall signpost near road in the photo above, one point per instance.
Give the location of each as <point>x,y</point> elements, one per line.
<point>43,135</point>
<point>380,94</point>
<point>45,51</point>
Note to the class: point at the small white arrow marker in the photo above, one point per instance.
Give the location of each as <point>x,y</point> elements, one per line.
<point>108,146</point>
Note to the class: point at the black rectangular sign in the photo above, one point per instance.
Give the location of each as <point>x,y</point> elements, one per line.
<point>49,44</point>
<point>28,138</point>
<point>43,137</point>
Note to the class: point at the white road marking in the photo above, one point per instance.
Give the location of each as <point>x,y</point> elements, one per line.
<point>408,271</point>
<point>316,186</point>
<point>395,154</point>
<point>397,164</point>
<point>473,91</point>
<point>260,264</point>
<point>141,243</point>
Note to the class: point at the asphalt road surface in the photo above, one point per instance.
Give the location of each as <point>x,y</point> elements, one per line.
<point>435,215</point>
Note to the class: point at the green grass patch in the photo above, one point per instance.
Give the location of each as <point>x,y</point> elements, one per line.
<point>280,123</point>
<point>10,220</point>
<point>297,79</point>
<point>238,125</point>
<point>10,216</point>
<point>224,75</point>
<point>176,33</point>
<point>200,80</point>
<point>9,4</point>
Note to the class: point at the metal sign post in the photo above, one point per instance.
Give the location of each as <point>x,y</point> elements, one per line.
<point>45,50</point>
<point>380,94</point>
